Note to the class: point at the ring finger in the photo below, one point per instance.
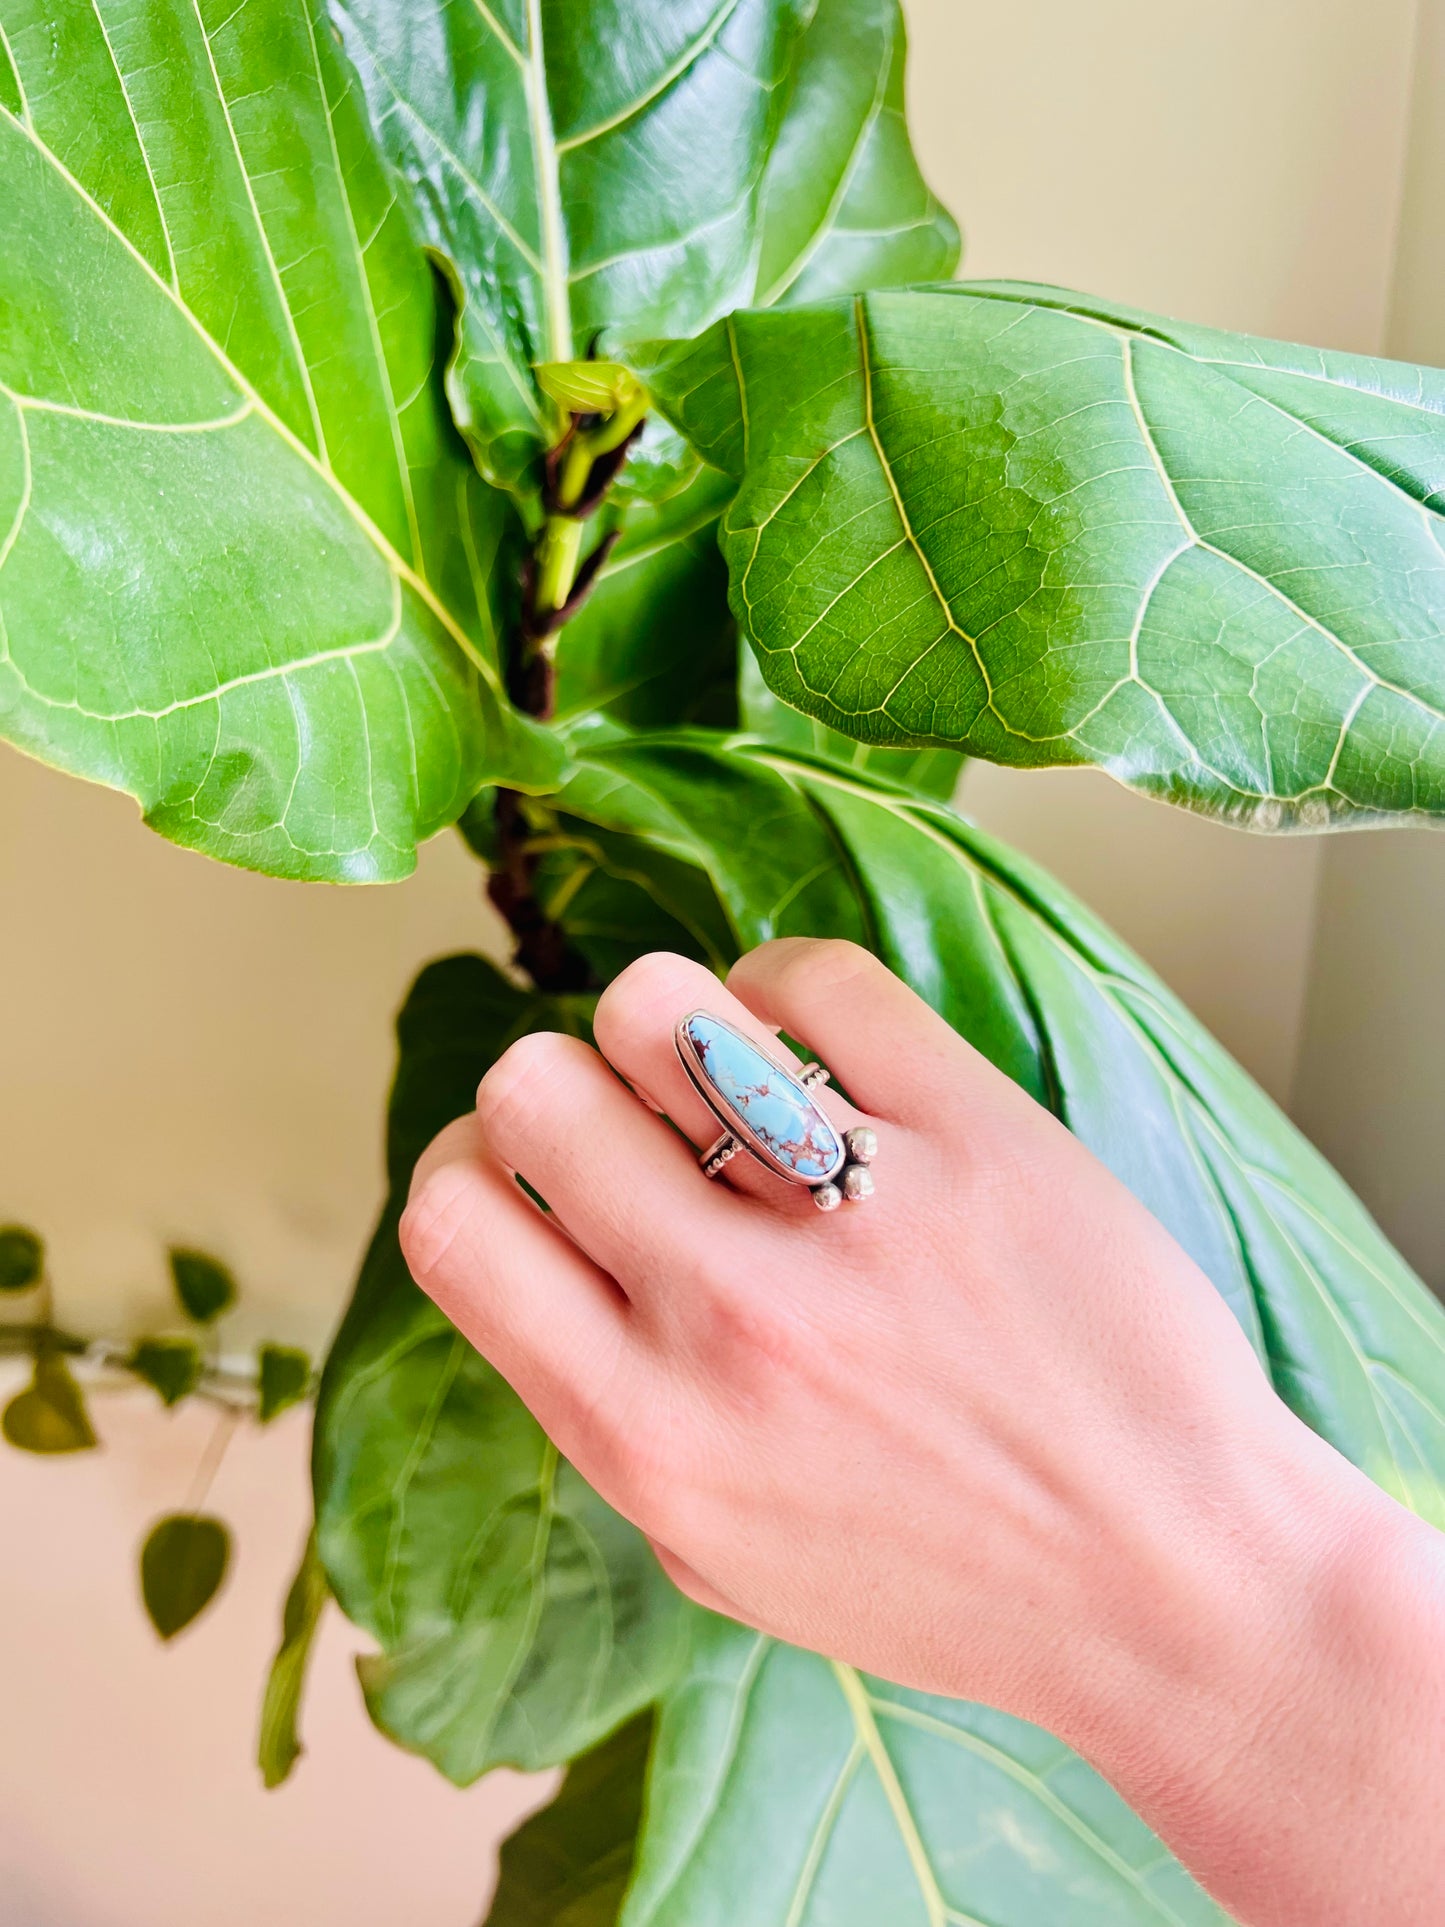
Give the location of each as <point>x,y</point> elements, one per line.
<point>634,1026</point>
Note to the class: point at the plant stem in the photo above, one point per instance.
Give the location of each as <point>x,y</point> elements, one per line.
<point>235,1391</point>
<point>211,1458</point>
<point>580,471</point>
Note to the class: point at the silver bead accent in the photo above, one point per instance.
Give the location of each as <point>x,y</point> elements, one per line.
<point>827,1197</point>
<point>857,1183</point>
<point>861,1144</point>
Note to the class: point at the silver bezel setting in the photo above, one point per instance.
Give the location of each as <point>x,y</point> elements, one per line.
<point>735,1132</point>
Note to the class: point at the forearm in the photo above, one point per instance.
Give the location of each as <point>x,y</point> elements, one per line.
<point>1295,1760</point>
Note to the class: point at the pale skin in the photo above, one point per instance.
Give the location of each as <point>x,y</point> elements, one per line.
<point>991,1433</point>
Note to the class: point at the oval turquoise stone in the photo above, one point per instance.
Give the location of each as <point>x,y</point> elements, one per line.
<point>773,1105</point>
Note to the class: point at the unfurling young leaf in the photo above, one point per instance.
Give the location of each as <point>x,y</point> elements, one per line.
<point>569,1865</point>
<point>203,1284</point>
<point>591,387</point>
<point>22,1258</point>
<point>279,1744</point>
<point>170,1366</point>
<point>534,141</point>
<point>283,1380</point>
<point>49,1416</point>
<point>182,1566</point>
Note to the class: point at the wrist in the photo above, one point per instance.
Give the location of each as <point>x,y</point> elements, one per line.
<point>1279,1669</point>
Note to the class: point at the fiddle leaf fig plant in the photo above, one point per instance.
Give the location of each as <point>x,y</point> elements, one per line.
<point>554,418</point>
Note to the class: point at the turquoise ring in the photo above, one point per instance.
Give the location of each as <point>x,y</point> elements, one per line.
<point>770,1112</point>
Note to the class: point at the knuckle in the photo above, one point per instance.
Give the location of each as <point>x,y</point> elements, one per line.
<point>434,1220</point>
<point>814,966</point>
<point>522,1081</point>
<point>655,982</point>
<point>755,1346</point>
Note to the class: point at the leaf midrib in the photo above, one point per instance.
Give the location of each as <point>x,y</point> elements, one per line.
<point>768,297</point>
<point>556,293</point>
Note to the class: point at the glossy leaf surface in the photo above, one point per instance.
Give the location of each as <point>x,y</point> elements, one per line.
<point>844,205</point>
<point>787,1791</point>
<point>519,1619</point>
<point>182,1567</point>
<point>569,1865</point>
<point>1046,530</point>
<point>591,165</point>
<point>792,1793</point>
<point>243,555</point>
<point>935,772</point>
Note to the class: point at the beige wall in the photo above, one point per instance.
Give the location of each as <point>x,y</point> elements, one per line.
<point>192,1052</point>
<point>1371,1086</point>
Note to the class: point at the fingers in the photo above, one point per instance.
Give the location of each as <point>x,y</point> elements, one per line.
<point>554,1324</point>
<point>634,1024</point>
<point>622,1182</point>
<point>890,1051</point>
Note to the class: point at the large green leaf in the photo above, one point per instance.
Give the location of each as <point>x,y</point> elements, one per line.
<point>792,1793</point>
<point>844,205</point>
<point>569,1865</point>
<point>243,555</point>
<point>1045,530</point>
<point>519,1619</point>
<point>591,165</point>
<point>787,1791</point>
<point>936,772</point>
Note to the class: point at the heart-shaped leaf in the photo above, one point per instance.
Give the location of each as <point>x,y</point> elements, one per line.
<point>243,556</point>
<point>203,1284</point>
<point>49,1416</point>
<point>569,1865</point>
<point>182,1567</point>
<point>1045,530</point>
<point>283,1379</point>
<point>519,1619</point>
<point>22,1258</point>
<point>591,165</point>
<point>170,1366</point>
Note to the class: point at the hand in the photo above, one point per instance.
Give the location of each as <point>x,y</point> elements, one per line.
<point>990,1433</point>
